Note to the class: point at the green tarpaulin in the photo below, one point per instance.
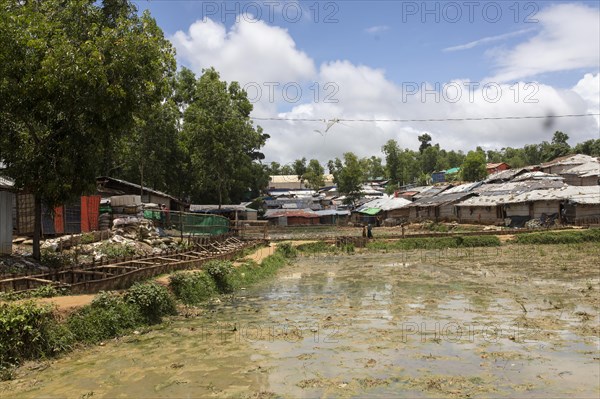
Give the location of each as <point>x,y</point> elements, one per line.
<point>190,223</point>
<point>371,211</point>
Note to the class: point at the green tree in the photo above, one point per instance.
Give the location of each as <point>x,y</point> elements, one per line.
<point>314,175</point>
<point>473,168</point>
<point>222,142</point>
<point>274,169</point>
<point>425,140</point>
<point>287,170</point>
<point>349,176</point>
<point>299,167</point>
<point>392,161</point>
<point>373,167</point>
<point>588,147</point>
<point>151,154</point>
<point>73,76</point>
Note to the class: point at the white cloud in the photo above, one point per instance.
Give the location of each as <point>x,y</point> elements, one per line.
<point>486,40</point>
<point>569,39</point>
<point>249,52</point>
<point>264,53</point>
<point>377,29</point>
<point>588,89</point>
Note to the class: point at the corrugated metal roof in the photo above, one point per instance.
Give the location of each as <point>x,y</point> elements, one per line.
<point>6,183</point>
<point>387,203</point>
<point>505,175</point>
<point>587,169</point>
<point>537,176</point>
<point>575,194</point>
<point>441,199</point>
<point>463,188</point>
<point>430,191</point>
<point>331,212</point>
<point>576,159</point>
<point>301,213</point>
<point>137,186</point>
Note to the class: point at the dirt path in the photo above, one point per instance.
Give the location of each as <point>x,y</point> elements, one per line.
<point>68,303</point>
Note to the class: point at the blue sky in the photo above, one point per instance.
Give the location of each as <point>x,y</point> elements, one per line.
<point>377,47</point>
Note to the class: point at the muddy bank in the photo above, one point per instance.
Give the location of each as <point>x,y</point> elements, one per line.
<point>511,321</point>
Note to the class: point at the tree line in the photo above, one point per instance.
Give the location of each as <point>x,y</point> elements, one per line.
<point>404,166</point>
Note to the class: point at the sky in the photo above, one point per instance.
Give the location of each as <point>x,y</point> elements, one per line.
<point>368,62</point>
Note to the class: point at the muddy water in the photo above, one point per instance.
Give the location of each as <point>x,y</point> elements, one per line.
<point>363,325</point>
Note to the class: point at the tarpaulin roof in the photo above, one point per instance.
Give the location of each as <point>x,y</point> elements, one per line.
<point>332,212</point>
<point>387,203</point>
<point>441,199</point>
<point>299,213</point>
<point>370,211</point>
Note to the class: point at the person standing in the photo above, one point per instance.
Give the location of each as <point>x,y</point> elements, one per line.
<point>369,232</point>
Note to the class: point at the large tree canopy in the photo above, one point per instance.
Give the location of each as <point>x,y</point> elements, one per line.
<point>72,76</point>
<point>222,142</point>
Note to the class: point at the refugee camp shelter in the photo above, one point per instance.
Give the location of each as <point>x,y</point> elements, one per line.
<point>496,167</point>
<point>73,217</point>
<point>333,216</point>
<point>110,186</point>
<point>293,182</point>
<point>586,174</point>
<point>232,212</point>
<point>292,217</point>
<point>441,207</point>
<point>392,209</point>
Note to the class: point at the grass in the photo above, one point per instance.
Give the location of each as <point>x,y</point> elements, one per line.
<point>564,237</point>
<point>436,243</point>
<point>44,291</point>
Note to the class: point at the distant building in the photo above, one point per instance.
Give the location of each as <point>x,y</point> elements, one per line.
<point>441,176</point>
<point>110,186</point>
<point>496,167</point>
<point>292,182</point>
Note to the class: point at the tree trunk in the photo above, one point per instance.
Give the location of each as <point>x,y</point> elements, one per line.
<point>37,227</point>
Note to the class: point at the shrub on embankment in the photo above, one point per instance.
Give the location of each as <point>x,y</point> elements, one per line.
<point>29,330</point>
<point>221,277</point>
<point>559,237</point>
<point>436,243</point>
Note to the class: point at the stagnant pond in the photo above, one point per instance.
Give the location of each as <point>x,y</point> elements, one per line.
<point>349,326</point>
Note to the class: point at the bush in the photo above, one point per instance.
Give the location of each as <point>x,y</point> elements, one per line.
<point>55,260</point>
<point>106,317</point>
<point>557,237</point>
<point>220,270</point>
<point>116,250</point>
<point>153,301</point>
<point>192,288</point>
<point>287,250</point>
<point>30,331</point>
<point>316,247</point>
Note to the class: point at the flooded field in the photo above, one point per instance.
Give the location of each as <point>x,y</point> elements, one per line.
<point>515,321</point>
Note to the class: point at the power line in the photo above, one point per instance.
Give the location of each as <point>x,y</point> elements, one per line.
<point>425,120</point>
